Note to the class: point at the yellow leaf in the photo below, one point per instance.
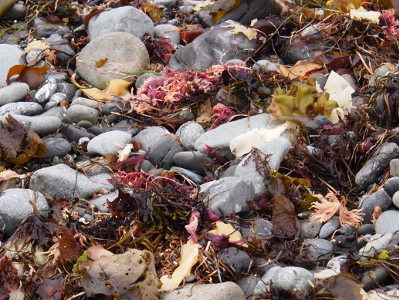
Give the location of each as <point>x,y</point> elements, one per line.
<point>228,229</point>
<point>190,252</point>
<point>250,33</point>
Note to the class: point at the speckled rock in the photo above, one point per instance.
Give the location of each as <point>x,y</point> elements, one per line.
<point>21,108</point>
<point>109,142</point>
<point>388,221</point>
<point>188,133</point>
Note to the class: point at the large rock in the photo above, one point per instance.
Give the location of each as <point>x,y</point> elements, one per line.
<point>63,181</point>
<point>42,125</point>
<point>10,55</point>
<point>216,46</point>
<point>125,53</point>
<point>13,93</point>
<point>123,19</point>
<point>16,204</point>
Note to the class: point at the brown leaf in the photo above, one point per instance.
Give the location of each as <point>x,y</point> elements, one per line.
<point>70,249</point>
<point>17,146</point>
<point>101,62</point>
<point>33,76</point>
<point>284,219</point>
<point>344,286</point>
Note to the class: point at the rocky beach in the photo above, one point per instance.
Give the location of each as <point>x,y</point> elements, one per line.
<point>185,149</point>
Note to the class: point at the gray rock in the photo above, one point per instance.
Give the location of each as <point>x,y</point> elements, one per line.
<point>167,31</point>
<point>221,136</point>
<point>161,143</point>
<point>18,11</point>
<point>216,46</point>
<point>62,47</point>
<point>165,2</point>
<point>219,291</point>
<point>394,167</point>
<point>366,229</point>
<point>285,279</point>
<point>100,202</point>
<point>74,133</point>
<point>123,19</point>
<point>329,228</point>
<point>140,80</point>
<point>188,133</point>
<point>21,108</point>
<point>368,203</point>
<point>376,277</point>
<point>42,125</point>
<point>57,111</point>
<point>369,173</point>
<point>196,178</point>
<point>259,229</point>
<point>67,88</point>
<point>228,195</point>
<point>16,204</point>
<point>109,142</point>
<point>14,92</point>
<point>391,186</point>
<point>274,152</point>
<point>319,249</point>
<point>247,285</point>
<point>63,181</point>
<point>246,11</point>
<point>56,146</point>
<point>45,29</point>
<point>388,221</point>
<point>125,53</point>
<point>395,199</point>
<point>86,102</point>
<point>192,160</point>
<point>236,259</point>
<point>58,97</point>
<point>78,112</point>
<point>310,230</point>
<point>376,244</point>
<point>10,56</point>
<point>44,93</point>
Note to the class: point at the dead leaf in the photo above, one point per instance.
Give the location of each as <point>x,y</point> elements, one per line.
<point>205,113</point>
<point>284,219</point>
<point>7,179</point>
<point>234,235</point>
<point>221,7</point>
<point>33,76</point>
<point>17,146</point>
<point>250,33</point>
<point>101,62</point>
<point>344,286</point>
<point>70,249</point>
<point>115,88</point>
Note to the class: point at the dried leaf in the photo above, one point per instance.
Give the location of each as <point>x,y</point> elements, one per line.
<point>221,7</point>
<point>152,10</point>
<point>37,45</point>
<point>284,219</point>
<point>70,249</point>
<point>17,145</point>
<point>101,62</point>
<point>227,229</point>
<point>250,33</point>
<point>189,258</point>
<point>33,76</point>
<point>345,286</point>
<point>205,113</point>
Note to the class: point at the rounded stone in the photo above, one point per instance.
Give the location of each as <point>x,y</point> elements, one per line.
<point>169,32</point>
<point>109,142</point>
<point>122,53</point>
<point>319,249</point>
<point>78,112</point>
<point>388,221</point>
<point>56,146</point>
<point>10,56</point>
<point>13,93</point>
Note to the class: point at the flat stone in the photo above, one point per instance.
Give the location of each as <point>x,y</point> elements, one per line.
<point>168,32</point>
<point>14,92</point>
<point>21,108</point>
<point>10,56</point>
<point>45,29</point>
<point>238,260</point>
<point>123,19</point>
<point>310,230</point>
<point>194,177</point>
<point>329,228</point>
<point>388,221</point>
<point>125,53</point>
<point>394,167</point>
<point>109,142</point>
<point>319,249</point>
<point>16,204</point>
<point>188,133</point>
<point>78,112</point>
<point>42,125</point>
<point>63,181</point>
<point>192,160</point>
<point>391,186</point>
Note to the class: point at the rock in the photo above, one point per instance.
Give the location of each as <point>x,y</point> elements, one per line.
<point>319,249</point>
<point>391,186</point>
<point>259,229</point>
<point>140,80</point>
<point>21,108</point>
<point>168,32</point>
<point>123,19</point>
<point>273,151</point>
<point>376,244</point>
<point>86,102</point>
<point>109,142</point>
<point>16,204</point>
<point>42,125</point>
<point>45,29</point>
<point>394,167</point>
<point>329,228</point>
<point>66,88</point>
<point>221,136</point>
<point>247,285</point>
<point>395,199</point>
<point>13,93</point>
<point>369,202</point>
<point>289,278</point>
<point>62,47</point>
<point>369,173</point>
<point>377,276</point>
<point>366,229</point>
<point>79,112</point>
<point>388,221</point>
<point>219,291</point>
<point>192,160</point>
<point>125,53</point>
<point>310,230</point>
<point>216,46</point>
<point>246,11</point>
<point>236,259</point>
<point>18,11</point>
<point>74,133</point>
<point>188,133</point>
<point>63,181</point>
<point>228,195</point>
<point>196,178</point>
<point>44,93</point>
<point>100,202</point>
<point>56,147</point>
<point>161,143</point>
<point>10,56</point>
<point>165,2</point>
